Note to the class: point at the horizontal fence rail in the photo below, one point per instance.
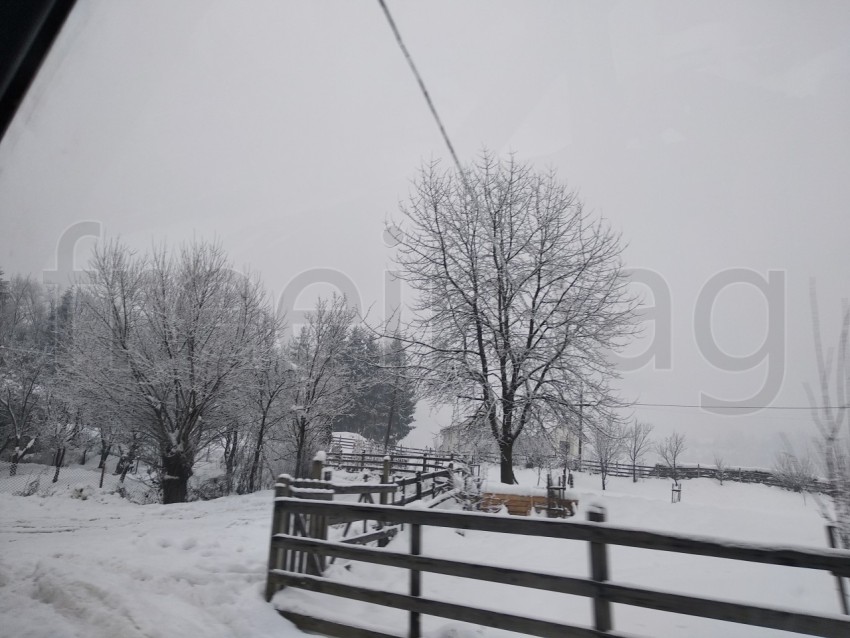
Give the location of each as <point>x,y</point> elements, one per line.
<point>833,560</point>
<point>398,464</point>
<point>598,535</point>
<point>349,445</point>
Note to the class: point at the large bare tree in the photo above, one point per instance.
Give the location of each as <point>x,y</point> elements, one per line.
<point>162,339</point>
<point>520,294</point>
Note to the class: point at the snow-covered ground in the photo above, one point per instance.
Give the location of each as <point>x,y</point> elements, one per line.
<point>103,567</point>
<point>735,511</point>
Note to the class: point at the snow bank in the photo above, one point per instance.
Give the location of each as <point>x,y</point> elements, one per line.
<point>102,567</point>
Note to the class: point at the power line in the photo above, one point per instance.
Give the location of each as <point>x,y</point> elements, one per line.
<point>743,407</point>
<point>421,82</point>
<point>449,145</point>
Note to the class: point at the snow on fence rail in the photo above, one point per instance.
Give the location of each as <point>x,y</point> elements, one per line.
<point>283,572</point>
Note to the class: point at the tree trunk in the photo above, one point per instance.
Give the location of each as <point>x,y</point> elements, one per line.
<point>104,454</point>
<point>506,452</point>
<point>390,420</point>
<point>301,444</point>
<point>20,453</point>
<point>255,462</point>
<point>175,479</point>
<point>231,450</point>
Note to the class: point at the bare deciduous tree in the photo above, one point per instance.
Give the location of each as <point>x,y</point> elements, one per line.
<point>268,384</point>
<point>830,413</point>
<point>670,449</point>
<point>25,363</point>
<point>793,472</point>
<point>321,389</point>
<point>608,444</point>
<point>162,338</point>
<point>721,466</point>
<point>638,444</point>
<point>520,294</point>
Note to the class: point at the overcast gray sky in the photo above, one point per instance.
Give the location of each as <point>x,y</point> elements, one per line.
<point>715,136</point>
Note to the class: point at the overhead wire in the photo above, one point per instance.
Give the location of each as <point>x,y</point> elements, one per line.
<point>742,407</point>
<point>425,93</point>
<point>400,41</point>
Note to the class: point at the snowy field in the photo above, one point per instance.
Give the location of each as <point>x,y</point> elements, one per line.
<point>103,567</point>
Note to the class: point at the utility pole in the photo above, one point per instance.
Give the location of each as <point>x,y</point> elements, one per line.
<point>581,406</point>
<point>580,423</point>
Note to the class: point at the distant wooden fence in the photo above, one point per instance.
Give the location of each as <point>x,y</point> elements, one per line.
<point>349,445</point>
<point>690,471</point>
<point>285,571</point>
<point>348,449</point>
<point>734,474</point>
<point>399,463</point>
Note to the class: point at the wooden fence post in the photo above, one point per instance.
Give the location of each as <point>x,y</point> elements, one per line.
<point>425,462</point>
<point>419,486</point>
<point>318,466</point>
<point>415,579</point>
<point>317,526</point>
<point>842,594</point>
<point>385,478</point>
<point>280,525</point>
<point>599,572</point>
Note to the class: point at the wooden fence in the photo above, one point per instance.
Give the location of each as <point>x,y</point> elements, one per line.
<point>353,460</point>
<point>348,445</point>
<point>690,471</point>
<point>399,463</point>
<point>284,572</point>
<point>397,493</point>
